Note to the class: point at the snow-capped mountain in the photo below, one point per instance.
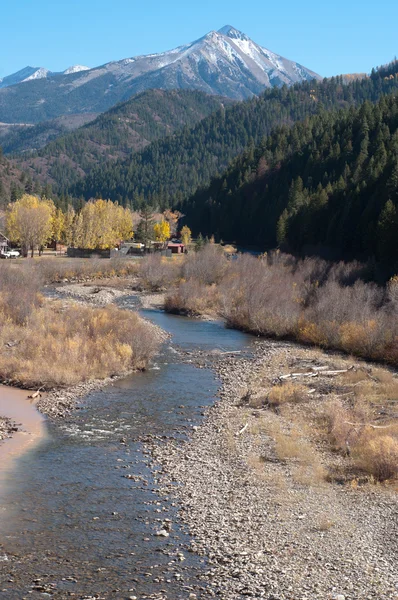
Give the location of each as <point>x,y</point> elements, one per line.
<point>30,73</point>
<point>75,69</point>
<point>225,62</point>
<point>19,76</point>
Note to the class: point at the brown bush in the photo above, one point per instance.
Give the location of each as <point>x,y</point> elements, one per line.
<point>19,292</point>
<point>193,298</point>
<point>377,454</point>
<point>207,266</point>
<point>157,273</point>
<point>373,449</point>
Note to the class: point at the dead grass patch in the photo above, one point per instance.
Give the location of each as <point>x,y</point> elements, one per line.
<point>59,346</point>
<point>285,393</point>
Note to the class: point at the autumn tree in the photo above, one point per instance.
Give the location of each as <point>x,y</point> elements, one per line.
<point>172,218</point>
<point>162,231</point>
<point>29,222</point>
<point>69,218</point>
<point>101,224</point>
<point>186,235</point>
<point>58,228</point>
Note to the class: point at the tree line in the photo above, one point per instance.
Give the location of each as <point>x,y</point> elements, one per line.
<point>330,181</point>
<point>33,222</point>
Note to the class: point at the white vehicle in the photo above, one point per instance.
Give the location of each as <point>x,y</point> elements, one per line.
<point>8,253</point>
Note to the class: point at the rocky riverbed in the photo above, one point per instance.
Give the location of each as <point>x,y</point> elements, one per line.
<point>268,526</point>
<point>7,428</point>
<point>268,529</point>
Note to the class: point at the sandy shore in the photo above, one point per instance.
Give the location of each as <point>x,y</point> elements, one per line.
<point>267,529</point>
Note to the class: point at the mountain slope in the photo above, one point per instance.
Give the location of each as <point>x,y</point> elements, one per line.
<point>126,128</point>
<point>30,73</point>
<point>224,62</point>
<point>171,169</point>
<point>329,182</point>
<point>13,182</point>
<point>18,138</point>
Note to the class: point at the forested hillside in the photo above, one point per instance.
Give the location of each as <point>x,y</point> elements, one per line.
<point>171,169</point>
<point>19,138</point>
<point>330,181</point>
<point>13,182</point>
<point>126,128</point>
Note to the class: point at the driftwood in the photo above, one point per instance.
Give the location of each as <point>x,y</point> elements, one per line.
<point>35,394</point>
<point>317,373</point>
<point>242,430</point>
<point>369,425</point>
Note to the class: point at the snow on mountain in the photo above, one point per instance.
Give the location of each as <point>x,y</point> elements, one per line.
<point>19,76</point>
<point>31,73</point>
<point>75,69</point>
<point>225,62</point>
<point>39,74</point>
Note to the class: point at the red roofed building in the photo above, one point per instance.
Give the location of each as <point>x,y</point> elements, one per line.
<point>176,248</point>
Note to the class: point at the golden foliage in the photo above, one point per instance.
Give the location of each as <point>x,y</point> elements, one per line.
<point>101,224</point>
<point>186,235</point>
<point>30,221</point>
<point>162,231</point>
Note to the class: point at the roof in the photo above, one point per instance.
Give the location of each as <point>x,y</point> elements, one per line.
<point>175,245</point>
<point>3,238</point>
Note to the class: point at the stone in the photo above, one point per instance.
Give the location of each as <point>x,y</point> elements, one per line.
<point>162,533</point>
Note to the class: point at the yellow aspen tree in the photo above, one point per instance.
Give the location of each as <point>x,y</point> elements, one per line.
<point>186,235</point>
<point>68,225</point>
<point>172,218</point>
<point>58,225</point>
<point>162,231</point>
<point>29,221</point>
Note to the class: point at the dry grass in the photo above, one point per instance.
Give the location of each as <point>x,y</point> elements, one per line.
<point>49,344</point>
<point>286,393</point>
<point>55,270</point>
<point>345,430</point>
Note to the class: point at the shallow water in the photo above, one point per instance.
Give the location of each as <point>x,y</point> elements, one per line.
<point>16,405</point>
<point>68,509</point>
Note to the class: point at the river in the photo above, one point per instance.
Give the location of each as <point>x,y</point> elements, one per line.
<point>72,523</point>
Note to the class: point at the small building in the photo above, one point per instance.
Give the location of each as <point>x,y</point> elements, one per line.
<point>4,243</point>
<point>131,248</point>
<point>176,247</point>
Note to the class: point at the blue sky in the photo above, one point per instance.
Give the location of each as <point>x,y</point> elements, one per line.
<point>327,36</point>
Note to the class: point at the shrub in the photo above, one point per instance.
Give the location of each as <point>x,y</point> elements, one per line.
<point>19,292</point>
<point>286,393</point>
<point>207,266</point>
<point>378,455</point>
<point>192,298</point>
<point>157,274</point>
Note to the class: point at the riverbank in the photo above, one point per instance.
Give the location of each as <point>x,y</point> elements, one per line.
<point>277,511</point>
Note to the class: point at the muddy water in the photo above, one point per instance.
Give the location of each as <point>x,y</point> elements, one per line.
<point>73,520</point>
<point>15,404</point>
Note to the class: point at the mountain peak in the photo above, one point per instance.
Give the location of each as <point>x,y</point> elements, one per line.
<point>75,69</point>
<point>232,33</point>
